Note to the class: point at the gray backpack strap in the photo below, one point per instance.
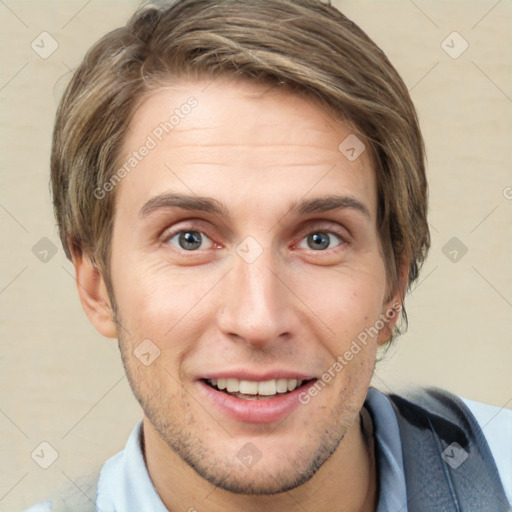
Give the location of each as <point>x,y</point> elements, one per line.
<point>447,462</point>
<point>79,496</point>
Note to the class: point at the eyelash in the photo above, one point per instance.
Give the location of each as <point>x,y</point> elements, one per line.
<point>343,237</point>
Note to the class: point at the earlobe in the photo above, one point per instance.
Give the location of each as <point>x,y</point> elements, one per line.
<point>389,318</point>
<point>93,295</point>
<point>393,307</point>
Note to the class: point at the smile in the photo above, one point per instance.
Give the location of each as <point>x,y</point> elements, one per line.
<point>253,390</point>
<point>251,401</point>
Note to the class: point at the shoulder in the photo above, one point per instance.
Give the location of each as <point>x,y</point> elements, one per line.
<point>496,425</point>
<point>45,506</point>
<point>79,497</point>
<point>97,490</point>
<point>488,426</point>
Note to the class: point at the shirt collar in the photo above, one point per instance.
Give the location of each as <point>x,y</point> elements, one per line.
<point>392,495</point>
<point>124,483</point>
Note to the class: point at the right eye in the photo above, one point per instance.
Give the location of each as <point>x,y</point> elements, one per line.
<point>189,240</point>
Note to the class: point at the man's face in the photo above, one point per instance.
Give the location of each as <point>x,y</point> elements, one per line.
<point>260,262</point>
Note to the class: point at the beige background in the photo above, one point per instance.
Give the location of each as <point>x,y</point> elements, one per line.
<point>63,383</point>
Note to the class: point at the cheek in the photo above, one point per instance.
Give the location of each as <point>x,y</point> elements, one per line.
<point>346,300</point>
<point>162,304</point>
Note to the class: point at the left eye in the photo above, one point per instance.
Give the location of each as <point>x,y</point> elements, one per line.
<point>190,240</point>
<point>320,240</point>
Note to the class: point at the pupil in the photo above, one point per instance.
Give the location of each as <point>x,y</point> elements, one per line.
<point>190,240</point>
<point>318,241</point>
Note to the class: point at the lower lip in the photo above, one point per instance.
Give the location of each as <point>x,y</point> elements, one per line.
<point>254,411</point>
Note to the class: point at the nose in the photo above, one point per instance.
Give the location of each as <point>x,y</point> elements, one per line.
<point>257,307</point>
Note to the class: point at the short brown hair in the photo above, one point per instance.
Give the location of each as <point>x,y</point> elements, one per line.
<point>305,45</point>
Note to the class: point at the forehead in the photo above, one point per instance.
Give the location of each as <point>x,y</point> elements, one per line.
<point>205,137</point>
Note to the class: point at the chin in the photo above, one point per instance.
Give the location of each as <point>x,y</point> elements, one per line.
<point>282,466</point>
<point>264,478</point>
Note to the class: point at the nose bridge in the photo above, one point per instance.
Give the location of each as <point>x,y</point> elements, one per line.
<point>255,305</point>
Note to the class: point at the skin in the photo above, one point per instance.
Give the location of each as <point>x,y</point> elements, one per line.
<point>256,151</point>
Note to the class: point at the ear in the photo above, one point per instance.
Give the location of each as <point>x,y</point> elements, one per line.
<point>393,307</point>
<point>93,294</point>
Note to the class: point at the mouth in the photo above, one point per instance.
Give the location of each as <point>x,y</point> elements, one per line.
<point>257,390</point>
<point>248,397</point>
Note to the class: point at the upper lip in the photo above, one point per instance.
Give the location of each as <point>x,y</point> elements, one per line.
<point>258,377</point>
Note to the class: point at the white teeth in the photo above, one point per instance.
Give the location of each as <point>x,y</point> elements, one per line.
<point>282,385</point>
<point>250,387</point>
<point>232,385</point>
<point>292,384</point>
<point>267,388</point>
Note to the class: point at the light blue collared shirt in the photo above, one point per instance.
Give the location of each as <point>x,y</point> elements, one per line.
<point>124,484</point>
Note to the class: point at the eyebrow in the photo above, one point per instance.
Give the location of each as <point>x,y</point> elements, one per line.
<point>212,206</point>
<point>197,203</point>
<point>328,203</point>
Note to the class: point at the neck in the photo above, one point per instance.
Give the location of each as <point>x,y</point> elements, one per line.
<point>347,482</point>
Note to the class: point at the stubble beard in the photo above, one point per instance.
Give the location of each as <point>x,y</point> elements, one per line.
<point>182,434</point>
